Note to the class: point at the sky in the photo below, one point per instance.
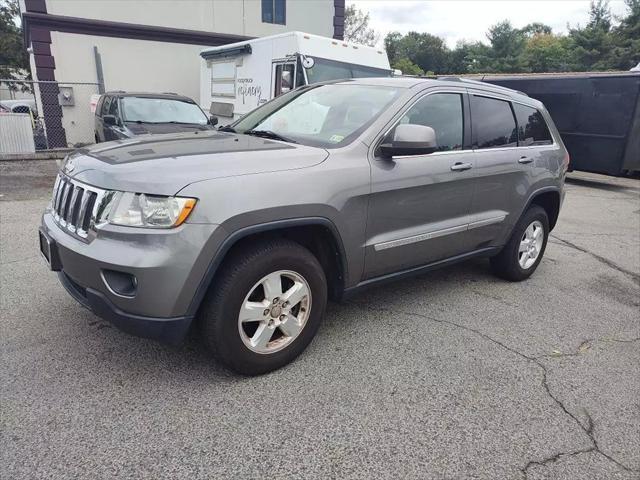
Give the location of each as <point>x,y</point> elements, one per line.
<point>456,20</point>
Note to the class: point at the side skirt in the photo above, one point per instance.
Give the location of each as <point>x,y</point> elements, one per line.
<point>413,271</point>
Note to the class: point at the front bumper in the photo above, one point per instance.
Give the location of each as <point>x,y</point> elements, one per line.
<point>167,330</point>
<point>168,267</point>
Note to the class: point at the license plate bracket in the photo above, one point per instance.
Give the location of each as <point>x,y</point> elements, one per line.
<point>49,250</point>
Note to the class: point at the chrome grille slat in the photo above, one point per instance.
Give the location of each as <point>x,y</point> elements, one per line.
<point>63,203</point>
<point>71,208</point>
<point>74,206</point>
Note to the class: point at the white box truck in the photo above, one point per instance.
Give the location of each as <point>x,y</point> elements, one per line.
<point>238,77</point>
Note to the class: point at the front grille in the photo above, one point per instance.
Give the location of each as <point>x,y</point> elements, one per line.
<point>73,205</point>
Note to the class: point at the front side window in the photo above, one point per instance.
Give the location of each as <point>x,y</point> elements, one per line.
<point>161,110</point>
<point>443,113</point>
<point>105,106</point>
<point>284,78</point>
<point>532,129</point>
<point>274,11</point>
<point>493,123</point>
<point>322,116</point>
<point>113,107</point>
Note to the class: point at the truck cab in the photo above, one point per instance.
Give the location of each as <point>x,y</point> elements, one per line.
<point>239,77</point>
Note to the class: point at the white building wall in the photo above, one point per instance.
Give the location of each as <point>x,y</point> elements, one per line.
<point>240,17</point>
<point>130,65</point>
<point>150,66</point>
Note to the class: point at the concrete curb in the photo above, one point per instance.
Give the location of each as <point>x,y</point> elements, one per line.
<point>55,154</point>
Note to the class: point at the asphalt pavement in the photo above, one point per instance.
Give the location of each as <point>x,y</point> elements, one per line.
<point>451,375</point>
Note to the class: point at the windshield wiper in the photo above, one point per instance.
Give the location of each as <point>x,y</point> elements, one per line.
<point>269,134</point>
<point>226,128</point>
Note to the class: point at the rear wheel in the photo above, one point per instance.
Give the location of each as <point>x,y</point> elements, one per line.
<point>265,307</point>
<point>522,254</point>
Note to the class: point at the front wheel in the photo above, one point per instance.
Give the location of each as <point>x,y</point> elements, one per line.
<point>265,307</point>
<point>523,252</point>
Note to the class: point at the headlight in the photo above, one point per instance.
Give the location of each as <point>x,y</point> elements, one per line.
<point>141,210</point>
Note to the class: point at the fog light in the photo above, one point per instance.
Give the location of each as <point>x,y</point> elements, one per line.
<point>120,283</point>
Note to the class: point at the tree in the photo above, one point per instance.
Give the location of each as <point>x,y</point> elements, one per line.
<point>427,51</point>
<point>546,52</point>
<point>407,67</point>
<point>593,44</point>
<point>356,27</point>
<point>536,28</point>
<point>626,38</point>
<point>469,58</point>
<point>507,45</point>
<point>14,61</point>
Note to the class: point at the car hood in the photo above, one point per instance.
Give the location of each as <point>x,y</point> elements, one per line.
<point>165,164</point>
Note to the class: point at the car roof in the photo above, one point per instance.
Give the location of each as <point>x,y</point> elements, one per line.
<point>173,96</point>
<point>448,81</point>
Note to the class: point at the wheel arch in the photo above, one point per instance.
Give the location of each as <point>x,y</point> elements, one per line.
<point>318,234</point>
<point>549,199</point>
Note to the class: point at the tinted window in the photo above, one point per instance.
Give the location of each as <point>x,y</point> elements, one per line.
<point>105,106</point>
<point>494,123</point>
<point>443,113</point>
<point>274,11</point>
<point>324,70</point>
<point>113,107</point>
<point>532,129</point>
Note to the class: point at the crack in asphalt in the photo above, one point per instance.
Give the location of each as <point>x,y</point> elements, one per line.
<point>588,430</point>
<point>634,276</point>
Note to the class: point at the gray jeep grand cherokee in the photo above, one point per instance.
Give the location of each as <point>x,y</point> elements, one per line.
<point>322,191</point>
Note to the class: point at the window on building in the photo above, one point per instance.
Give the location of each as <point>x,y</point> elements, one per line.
<point>532,129</point>
<point>494,123</point>
<point>443,113</point>
<point>223,79</point>
<point>274,11</point>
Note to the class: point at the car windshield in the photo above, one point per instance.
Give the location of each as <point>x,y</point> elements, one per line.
<point>161,110</point>
<point>323,116</point>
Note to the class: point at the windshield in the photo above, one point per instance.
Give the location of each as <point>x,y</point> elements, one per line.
<point>324,70</point>
<point>161,110</point>
<point>323,116</point>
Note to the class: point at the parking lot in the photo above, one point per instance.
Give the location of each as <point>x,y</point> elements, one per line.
<point>454,374</point>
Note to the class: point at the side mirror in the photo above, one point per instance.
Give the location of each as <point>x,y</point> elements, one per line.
<point>213,120</point>
<point>109,120</point>
<point>410,140</point>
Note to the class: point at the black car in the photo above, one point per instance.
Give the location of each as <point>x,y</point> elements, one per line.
<point>125,114</point>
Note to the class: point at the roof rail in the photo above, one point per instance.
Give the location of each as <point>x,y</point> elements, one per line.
<point>478,82</point>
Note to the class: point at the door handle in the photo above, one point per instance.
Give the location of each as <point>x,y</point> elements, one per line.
<point>458,167</point>
<point>525,159</point>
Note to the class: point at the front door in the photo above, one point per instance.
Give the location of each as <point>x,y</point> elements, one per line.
<point>419,205</point>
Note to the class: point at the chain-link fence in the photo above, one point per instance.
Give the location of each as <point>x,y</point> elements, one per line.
<point>61,113</point>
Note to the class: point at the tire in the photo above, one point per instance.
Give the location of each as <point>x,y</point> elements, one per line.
<point>507,264</point>
<point>242,282</point>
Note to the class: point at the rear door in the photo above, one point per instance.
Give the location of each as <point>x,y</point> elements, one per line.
<point>503,168</point>
<point>419,204</point>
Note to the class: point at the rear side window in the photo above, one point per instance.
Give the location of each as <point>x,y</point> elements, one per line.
<point>493,123</point>
<point>443,113</point>
<point>532,129</point>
